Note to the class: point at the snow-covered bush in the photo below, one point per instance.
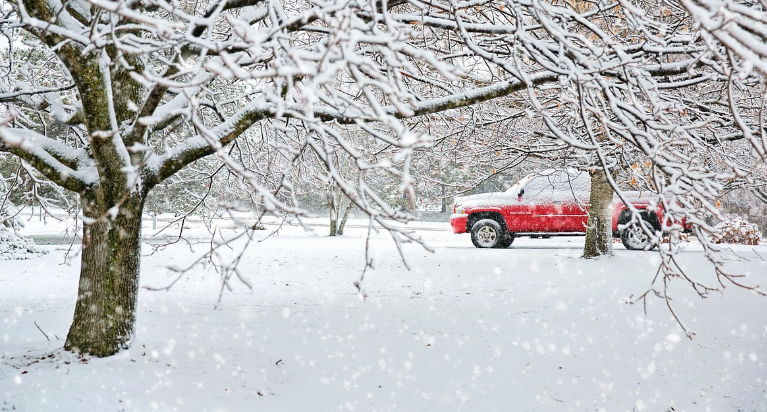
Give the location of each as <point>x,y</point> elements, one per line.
<point>737,230</point>
<point>12,245</point>
<point>748,203</point>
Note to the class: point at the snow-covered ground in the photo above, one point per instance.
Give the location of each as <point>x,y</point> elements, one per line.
<point>530,328</point>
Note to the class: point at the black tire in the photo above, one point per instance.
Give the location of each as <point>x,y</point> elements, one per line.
<point>506,241</point>
<point>487,233</point>
<point>635,238</point>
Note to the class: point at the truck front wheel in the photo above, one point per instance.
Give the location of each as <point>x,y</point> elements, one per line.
<point>505,241</point>
<point>487,233</point>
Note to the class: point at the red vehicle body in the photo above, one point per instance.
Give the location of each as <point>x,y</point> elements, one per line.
<point>549,203</point>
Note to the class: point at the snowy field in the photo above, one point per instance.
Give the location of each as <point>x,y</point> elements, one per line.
<point>530,328</point>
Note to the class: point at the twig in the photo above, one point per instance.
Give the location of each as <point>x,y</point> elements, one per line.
<point>671,309</point>
<point>41,331</point>
<point>368,261</point>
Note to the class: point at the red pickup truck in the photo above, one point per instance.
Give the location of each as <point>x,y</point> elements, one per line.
<point>549,203</point>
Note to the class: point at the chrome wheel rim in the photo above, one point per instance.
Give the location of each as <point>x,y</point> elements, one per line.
<point>487,236</point>
<point>637,238</point>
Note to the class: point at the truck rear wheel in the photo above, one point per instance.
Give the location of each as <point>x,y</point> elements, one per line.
<point>634,237</point>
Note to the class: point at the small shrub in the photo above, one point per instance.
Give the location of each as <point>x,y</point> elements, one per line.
<point>12,245</point>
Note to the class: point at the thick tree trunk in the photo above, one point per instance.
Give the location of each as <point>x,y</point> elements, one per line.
<point>105,312</point>
<point>599,239</point>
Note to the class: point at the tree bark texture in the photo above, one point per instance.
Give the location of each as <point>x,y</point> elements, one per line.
<point>333,208</point>
<point>333,229</point>
<point>345,218</point>
<point>335,205</point>
<point>443,209</point>
<point>105,312</point>
<point>599,236</point>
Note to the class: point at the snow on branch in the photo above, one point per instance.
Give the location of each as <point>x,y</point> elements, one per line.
<point>68,167</point>
<point>739,26</point>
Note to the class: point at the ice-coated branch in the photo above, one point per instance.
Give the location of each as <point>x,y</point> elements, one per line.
<point>160,167</point>
<point>5,97</point>
<point>741,27</point>
<point>67,167</point>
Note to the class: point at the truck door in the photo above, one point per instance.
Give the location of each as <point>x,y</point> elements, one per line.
<point>545,208</point>
<point>571,193</point>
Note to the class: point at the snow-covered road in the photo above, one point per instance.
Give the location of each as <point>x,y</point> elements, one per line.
<point>529,328</point>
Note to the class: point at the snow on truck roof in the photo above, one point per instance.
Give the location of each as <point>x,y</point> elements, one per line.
<point>558,180</point>
<point>553,185</point>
